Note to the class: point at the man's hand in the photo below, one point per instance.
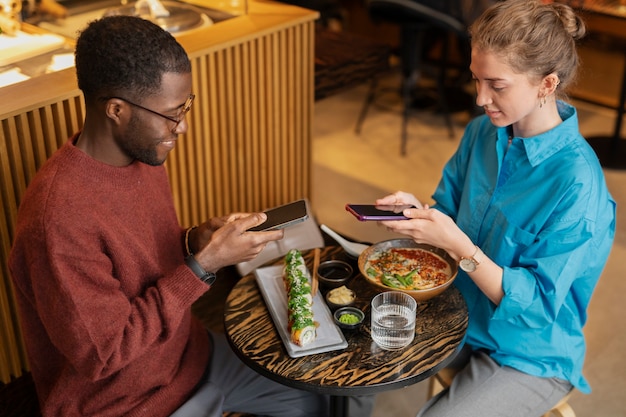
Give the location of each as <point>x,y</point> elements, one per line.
<point>229,241</point>
<point>201,235</point>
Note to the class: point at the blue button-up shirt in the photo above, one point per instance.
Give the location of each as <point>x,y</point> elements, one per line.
<point>540,209</point>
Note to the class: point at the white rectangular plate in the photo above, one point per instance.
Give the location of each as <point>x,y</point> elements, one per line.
<point>329,336</point>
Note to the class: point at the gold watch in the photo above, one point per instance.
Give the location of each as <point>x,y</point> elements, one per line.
<point>470,264</point>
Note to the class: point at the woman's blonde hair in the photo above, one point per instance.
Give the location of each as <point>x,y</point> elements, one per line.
<point>534,38</point>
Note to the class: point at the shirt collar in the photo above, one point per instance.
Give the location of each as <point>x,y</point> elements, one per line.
<point>541,147</point>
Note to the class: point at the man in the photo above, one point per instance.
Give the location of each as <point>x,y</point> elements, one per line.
<point>105,276</point>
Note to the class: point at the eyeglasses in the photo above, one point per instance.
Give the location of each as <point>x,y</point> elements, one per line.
<point>179,118</point>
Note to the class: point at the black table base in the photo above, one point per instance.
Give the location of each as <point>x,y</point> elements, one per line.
<point>338,406</point>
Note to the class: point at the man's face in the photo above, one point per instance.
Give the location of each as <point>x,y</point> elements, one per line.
<point>149,137</point>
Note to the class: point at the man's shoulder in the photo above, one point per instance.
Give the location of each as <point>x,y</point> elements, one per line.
<point>50,172</point>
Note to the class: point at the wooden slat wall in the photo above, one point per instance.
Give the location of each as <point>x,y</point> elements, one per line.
<point>247,147</point>
<point>251,131</point>
<point>26,141</point>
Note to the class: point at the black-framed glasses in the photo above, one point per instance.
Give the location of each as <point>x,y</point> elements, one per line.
<point>179,117</point>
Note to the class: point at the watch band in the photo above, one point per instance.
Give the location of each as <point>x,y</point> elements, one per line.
<point>206,277</point>
<point>469,264</point>
<point>478,256</point>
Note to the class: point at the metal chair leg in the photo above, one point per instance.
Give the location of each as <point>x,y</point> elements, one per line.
<point>412,46</point>
<point>368,102</point>
<point>441,84</point>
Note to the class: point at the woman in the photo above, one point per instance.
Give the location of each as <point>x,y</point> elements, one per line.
<point>524,208</point>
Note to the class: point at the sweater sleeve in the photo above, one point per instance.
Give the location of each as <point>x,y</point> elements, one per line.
<point>105,271</point>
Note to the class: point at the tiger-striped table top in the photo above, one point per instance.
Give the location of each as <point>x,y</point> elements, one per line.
<point>361,368</point>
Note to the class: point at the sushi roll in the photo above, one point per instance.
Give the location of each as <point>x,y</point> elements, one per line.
<point>301,324</point>
<point>303,331</point>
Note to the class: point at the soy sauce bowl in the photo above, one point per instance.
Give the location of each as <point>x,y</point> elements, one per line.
<point>333,274</point>
<point>352,318</point>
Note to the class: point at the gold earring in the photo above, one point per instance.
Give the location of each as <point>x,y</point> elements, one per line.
<point>543,100</point>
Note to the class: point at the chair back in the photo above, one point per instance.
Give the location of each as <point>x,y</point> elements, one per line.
<point>443,14</point>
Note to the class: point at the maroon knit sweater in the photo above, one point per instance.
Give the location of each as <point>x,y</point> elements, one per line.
<point>103,292</point>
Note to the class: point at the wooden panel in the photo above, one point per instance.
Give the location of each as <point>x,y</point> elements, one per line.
<point>248,144</point>
<point>27,140</point>
<point>10,337</point>
<point>247,147</point>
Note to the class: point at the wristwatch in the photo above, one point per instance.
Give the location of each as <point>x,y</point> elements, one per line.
<point>206,277</point>
<point>470,264</point>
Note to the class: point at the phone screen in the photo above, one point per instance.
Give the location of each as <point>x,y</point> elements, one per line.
<point>283,216</point>
<point>365,212</point>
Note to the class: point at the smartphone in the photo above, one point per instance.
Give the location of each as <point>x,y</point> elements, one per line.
<point>283,216</point>
<point>365,212</point>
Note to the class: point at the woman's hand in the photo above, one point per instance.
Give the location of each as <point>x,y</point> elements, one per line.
<point>399,198</point>
<point>426,225</point>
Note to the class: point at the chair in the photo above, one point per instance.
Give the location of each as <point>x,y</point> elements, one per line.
<point>417,18</point>
<point>443,378</point>
<point>343,60</point>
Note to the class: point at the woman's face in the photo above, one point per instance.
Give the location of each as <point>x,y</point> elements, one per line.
<point>508,98</point>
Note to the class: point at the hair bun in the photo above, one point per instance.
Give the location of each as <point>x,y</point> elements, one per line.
<point>572,23</point>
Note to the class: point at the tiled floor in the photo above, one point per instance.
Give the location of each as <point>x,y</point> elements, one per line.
<point>358,169</point>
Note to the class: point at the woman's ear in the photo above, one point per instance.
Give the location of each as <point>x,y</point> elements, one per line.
<point>549,84</point>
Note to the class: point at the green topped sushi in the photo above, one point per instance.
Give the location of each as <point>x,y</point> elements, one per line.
<point>299,299</point>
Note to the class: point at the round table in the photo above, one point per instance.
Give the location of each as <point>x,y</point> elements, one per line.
<point>360,369</point>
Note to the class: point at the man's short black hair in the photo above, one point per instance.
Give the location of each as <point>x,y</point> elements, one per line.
<point>126,55</point>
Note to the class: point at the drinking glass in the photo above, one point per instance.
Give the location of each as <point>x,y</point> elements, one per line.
<point>393,319</point>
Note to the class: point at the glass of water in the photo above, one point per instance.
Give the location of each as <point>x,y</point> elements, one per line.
<point>393,319</point>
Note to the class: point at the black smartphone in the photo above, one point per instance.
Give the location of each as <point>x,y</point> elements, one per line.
<point>283,216</point>
<point>365,212</point>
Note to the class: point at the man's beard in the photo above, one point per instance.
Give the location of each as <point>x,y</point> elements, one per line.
<point>146,153</point>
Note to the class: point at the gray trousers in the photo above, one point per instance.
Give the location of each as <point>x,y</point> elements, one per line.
<point>482,388</point>
<point>232,386</point>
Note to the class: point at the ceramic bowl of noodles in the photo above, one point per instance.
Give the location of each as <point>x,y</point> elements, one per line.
<point>420,270</point>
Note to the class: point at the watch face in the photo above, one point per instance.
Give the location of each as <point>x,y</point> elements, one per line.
<point>467,265</point>
<point>209,278</point>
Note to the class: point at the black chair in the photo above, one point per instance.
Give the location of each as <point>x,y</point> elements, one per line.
<point>418,19</point>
